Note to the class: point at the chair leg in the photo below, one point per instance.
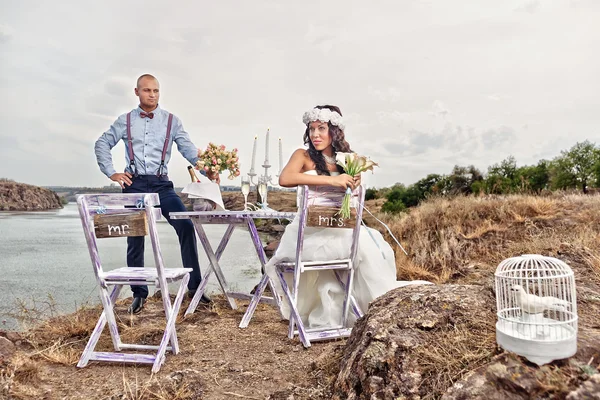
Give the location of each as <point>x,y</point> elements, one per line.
<point>347,290</point>
<point>168,310</point>
<point>294,314</point>
<point>170,328</point>
<point>95,336</point>
<point>109,311</point>
<point>356,310</point>
<point>254,301</point>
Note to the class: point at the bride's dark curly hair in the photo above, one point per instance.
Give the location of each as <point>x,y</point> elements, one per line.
<point>338,142</point>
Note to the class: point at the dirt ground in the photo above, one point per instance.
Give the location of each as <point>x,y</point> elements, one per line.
<point>218,360</point>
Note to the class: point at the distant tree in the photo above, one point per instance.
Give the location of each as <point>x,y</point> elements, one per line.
<point>426,186</point>
<point>459,181</point>
<point>534,178</point>
<point>576,167</point>
<point>393,207</point>
<point>371,194</point>
<point>506,169</point>
<point>395,199</point>
<point>501,177</point>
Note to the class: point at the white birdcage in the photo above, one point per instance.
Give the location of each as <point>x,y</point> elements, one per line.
<point>537,308</point>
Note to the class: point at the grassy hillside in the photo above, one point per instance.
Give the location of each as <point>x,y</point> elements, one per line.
<point>458,240</point>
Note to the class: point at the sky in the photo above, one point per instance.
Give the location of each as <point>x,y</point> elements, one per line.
<point>423,85</point>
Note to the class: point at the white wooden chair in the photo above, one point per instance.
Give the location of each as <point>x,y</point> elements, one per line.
<point>318,208</point>
<point>120,215</point>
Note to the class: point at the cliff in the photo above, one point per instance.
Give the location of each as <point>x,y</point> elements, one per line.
<point>16,196</point>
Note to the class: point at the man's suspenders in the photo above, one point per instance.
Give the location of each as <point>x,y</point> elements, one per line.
<point>132,165</point>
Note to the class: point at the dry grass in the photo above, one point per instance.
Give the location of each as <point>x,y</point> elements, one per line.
<point>456,353</point>
<point>445,237</point>
<point>457,240</point>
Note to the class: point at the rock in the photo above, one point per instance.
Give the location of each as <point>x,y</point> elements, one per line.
<point>509,376</point>
<point>7,348</point>
<point>271,247</point>
<point>187,381</point>
<point>22,197</point>
<point>13,336</point>
<point>589,390</point>
<point>393,350</point>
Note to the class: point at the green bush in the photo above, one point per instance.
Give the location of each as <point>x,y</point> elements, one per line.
<point>393,207</point>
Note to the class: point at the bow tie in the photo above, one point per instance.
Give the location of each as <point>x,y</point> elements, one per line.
<point>144,115</point>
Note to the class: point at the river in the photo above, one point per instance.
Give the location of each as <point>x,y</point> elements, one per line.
<point>45,267</point>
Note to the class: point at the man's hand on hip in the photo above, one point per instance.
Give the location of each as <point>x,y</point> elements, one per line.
<point>122,178</point>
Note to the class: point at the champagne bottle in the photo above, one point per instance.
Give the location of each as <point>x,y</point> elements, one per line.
<point>193,174</point>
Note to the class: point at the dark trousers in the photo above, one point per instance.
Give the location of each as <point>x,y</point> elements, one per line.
<point>169,202</point>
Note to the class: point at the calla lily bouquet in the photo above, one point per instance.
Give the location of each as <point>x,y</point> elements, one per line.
<point>353,165</point>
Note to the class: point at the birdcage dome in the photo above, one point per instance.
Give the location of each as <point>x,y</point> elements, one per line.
<point>536,308</point>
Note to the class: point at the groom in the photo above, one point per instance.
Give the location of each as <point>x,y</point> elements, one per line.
<point>149,132</point>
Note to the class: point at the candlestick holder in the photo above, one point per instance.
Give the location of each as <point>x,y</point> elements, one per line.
<point>262,181</point>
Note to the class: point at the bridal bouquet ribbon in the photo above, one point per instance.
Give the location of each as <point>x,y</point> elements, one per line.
<point>353,165</point>
<point>218,159</point>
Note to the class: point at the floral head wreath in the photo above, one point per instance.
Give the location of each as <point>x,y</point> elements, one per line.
<point>324,115</point>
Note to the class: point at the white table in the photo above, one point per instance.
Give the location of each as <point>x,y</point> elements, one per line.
<point>232,219</point>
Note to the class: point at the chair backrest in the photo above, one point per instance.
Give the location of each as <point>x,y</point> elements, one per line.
<point>118,215</point>
<point>318,208</point>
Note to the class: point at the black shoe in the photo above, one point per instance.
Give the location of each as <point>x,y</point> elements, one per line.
<point>204,299</point>
<point>136,305</point>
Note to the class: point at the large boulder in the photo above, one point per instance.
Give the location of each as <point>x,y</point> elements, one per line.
<point>22,197</point>
<point>509,376</point>
<point>432,341</point>
<point>416,340</point>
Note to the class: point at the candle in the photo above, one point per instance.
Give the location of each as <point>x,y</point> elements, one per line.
<point>280,156</point>
<point>253,154</point>
<point>267,148</point>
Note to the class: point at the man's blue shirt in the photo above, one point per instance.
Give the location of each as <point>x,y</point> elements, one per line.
<point>148,136</point>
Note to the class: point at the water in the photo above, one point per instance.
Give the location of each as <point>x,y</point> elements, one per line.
<point>44,261</point>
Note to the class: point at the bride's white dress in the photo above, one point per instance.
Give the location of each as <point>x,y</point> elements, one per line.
<point>320,296</point>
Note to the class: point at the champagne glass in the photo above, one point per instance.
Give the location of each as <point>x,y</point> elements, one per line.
<point>262,190</point>
<point>245,191</point>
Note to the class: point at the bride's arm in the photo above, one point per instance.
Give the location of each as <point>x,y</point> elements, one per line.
<point>293,174</point>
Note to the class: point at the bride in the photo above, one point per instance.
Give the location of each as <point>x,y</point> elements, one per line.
<point>320,296</point>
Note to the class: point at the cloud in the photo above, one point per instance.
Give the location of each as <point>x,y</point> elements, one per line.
<point>498,138</point>
<point>119,86</point>
<point>6,33</point>
<point>438,109</point>
<point>529,6</point>
<point>393,117</point>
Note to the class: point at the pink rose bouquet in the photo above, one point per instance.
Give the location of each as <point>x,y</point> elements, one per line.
<point>218,159</point>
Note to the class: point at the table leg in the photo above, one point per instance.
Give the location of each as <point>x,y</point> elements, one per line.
<point>262,257</point>
<point>214,260</point>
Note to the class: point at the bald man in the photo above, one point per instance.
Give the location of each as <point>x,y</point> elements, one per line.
<point>152,132</point>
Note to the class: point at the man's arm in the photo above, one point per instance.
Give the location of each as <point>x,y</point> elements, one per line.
<point>187,149</point>
<point>185,146</point>
<point>105,143</point>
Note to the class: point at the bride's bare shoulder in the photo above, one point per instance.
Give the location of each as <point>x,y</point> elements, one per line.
<point>301,159</point>
<point>301,153</point>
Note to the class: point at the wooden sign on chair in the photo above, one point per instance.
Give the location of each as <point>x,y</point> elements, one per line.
<point>120,225</point>
<point>327,217</point>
